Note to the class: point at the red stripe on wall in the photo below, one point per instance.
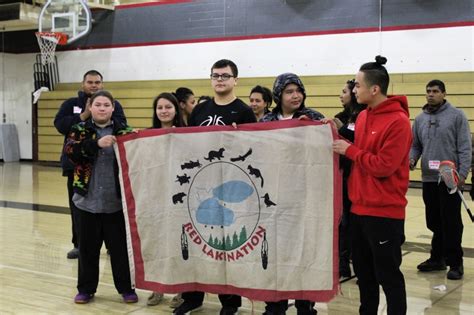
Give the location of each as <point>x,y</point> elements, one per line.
<point>265,36</point>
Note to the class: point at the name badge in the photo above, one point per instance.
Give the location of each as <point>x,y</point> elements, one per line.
<point>433,165</point>
<point>351,126</point>
<point>77,110</point>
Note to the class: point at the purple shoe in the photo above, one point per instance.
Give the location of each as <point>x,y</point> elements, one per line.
<point>130,297</point>
<point>83,298</point>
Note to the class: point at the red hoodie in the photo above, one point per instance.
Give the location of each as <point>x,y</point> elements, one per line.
<point>380,172</point>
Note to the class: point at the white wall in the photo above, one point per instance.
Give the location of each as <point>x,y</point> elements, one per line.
<point>15,97</point>
<point>429,50</point>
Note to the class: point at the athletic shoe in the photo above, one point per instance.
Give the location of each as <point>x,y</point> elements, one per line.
<point>154,299</point>
<point>431,265</point>
<point>455,273</point>
<point>73,253</point>
<point>186,308</point>
<point>345,273</point>
<point>176,301</point>
<point>229,311</point>
<point>83,298</point>
<point>274,310</point>
<point>130,297</point>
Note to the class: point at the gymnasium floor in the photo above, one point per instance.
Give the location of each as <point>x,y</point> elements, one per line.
<point>36,277</point>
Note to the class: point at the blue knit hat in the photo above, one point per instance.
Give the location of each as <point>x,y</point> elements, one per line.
<point>282,81</point>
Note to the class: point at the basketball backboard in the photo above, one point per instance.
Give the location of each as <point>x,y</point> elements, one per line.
<point>71,17</point>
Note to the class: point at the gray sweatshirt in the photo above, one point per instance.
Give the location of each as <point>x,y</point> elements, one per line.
<point>441,135</point>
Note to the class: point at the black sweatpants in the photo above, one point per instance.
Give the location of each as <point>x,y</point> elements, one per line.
<point>73,209</point>
<point>96,228</point>
<point>227,300</point>
<point>443,218</point>
<point>377,256</point>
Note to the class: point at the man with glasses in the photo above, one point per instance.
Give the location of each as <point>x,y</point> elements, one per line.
<point>224,109</point>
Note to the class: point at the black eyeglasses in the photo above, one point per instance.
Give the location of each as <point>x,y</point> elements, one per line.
<point>223,77</point>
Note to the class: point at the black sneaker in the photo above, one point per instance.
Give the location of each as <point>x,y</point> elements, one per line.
<point>274,313</point>
<point>431,265</point>
<point>345,273</point>
<point>73,253</point>
<point>275,309</point>
<point>229,311</point>
<point>455,273</point>
<point>186,308</point>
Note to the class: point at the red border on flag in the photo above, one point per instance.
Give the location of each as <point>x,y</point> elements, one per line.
<point>255,294</point>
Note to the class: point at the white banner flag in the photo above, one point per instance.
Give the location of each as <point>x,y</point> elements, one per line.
<point>252,211</point>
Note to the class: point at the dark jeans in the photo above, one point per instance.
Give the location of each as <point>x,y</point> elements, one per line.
<point>227,300</point>
<point>96,228</point>
<point>73,209</point>
<point>376,256</point>
<point>303,307</point>
<point>443,218</point>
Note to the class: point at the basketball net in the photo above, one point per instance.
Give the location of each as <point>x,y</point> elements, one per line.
<point>47,42</point>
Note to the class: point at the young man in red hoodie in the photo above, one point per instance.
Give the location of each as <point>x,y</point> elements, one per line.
<point>377,187</point>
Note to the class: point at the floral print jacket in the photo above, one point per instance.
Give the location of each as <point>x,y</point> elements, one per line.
<point>81,148</point>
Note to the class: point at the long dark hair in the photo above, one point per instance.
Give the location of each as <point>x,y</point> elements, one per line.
<point>355,108</point>
<point>177,121</point>
<point>352,110</point>
<point>182,94</point>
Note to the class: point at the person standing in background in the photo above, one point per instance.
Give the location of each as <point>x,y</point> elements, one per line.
<point>471,192</point>
<point>441,132</point>
<point>186,101</point>
<point>260,101</point>
<point>345,121</point>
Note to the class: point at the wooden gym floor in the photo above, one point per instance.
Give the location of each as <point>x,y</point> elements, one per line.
<point>36,277</point>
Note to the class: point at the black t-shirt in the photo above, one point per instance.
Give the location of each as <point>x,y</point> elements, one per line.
<point>209,114</point>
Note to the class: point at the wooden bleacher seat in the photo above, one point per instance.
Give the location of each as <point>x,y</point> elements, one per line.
<point>322,95</point>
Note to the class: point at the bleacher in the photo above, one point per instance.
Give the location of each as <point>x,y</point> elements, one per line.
<point>322,95</point>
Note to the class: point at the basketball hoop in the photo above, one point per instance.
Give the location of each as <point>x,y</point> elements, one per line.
<point>47,42</point>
